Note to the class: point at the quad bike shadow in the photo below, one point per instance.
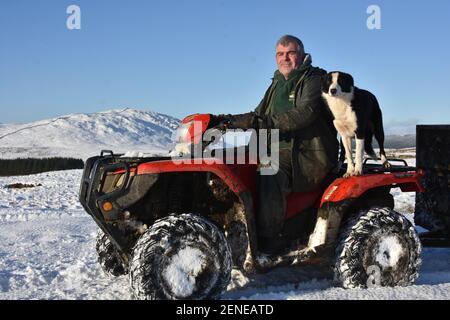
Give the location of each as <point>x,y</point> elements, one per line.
<point>280,279</point>
<point>179,227</point>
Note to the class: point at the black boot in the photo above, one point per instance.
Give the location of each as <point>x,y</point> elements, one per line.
<point>272,245</point>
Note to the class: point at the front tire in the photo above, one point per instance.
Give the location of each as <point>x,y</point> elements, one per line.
<point>108,257</point>
<point>379,247</point>
<point>180,257</point>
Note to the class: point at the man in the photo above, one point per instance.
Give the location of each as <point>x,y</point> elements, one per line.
<point>308,145</point>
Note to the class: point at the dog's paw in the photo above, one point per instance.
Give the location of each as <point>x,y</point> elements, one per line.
<point>350,170</point>
<point>348,175</point>
<point>358,171</point>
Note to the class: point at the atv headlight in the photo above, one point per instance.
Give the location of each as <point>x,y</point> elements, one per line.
<point>191,129</point>
<point>182,133</point>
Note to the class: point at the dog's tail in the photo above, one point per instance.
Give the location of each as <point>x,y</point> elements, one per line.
<point>368,144</point>
<point>378,129</point>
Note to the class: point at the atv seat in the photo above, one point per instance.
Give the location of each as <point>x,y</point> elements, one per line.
<point>299,201</point>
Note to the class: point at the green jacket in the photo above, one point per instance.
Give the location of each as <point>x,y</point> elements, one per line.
<point>310,126</point>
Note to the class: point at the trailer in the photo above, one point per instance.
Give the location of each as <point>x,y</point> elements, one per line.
<point>432,209</point>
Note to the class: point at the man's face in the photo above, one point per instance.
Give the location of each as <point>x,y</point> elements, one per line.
<point>288,58</point>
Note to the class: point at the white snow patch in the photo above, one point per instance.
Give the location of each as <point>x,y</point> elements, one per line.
<point>182,270</point>
<point>389,252</point>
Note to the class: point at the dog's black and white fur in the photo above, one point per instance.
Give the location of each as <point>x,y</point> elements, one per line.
<point>356,114</point>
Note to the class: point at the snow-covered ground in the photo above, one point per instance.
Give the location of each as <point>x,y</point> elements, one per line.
<point>47,252</point>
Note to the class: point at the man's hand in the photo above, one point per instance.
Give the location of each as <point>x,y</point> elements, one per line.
<point>240,121</point>
<point>220,121</point>
<point>243,121</point>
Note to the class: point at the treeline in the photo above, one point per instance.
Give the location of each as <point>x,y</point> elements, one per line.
<point>16,167</point>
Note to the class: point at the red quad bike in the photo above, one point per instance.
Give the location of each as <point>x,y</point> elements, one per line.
<point>178,228</point>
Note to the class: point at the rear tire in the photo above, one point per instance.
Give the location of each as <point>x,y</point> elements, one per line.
<point>379,247</point>
<point>180,257</point>
<point>108,257</point>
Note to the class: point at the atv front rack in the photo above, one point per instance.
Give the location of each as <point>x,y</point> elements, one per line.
<point>93,197</point>
<point>90,197</point>
<point>95,170</point>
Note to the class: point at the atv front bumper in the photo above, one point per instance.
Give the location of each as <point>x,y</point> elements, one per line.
<point>108,187</point>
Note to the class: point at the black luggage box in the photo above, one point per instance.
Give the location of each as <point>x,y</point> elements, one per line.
<point>433,156</point>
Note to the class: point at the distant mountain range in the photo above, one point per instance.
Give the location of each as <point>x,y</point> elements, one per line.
<point>400,141</point>
<point>406,141</point>
<point>120,130</point>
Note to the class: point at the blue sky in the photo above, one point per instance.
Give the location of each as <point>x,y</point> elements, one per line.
<point>208,56</point>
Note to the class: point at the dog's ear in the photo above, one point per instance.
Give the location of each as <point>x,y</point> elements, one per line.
<point>346,82</point>
<point>352,82</point>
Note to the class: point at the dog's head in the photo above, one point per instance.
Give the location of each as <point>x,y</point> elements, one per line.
<point>337,84</point>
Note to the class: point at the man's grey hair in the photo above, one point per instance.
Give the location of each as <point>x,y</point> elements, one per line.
<point>286,39</point>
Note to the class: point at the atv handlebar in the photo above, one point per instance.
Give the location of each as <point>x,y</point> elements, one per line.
<point>219,122</point>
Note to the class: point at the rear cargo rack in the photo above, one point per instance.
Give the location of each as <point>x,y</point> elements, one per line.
<point>372,168</point>
<point>378,168</point>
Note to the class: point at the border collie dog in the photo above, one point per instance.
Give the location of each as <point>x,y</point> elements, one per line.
<point>356,114</point>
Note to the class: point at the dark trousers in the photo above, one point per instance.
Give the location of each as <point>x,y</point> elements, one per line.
<point>273,191</point>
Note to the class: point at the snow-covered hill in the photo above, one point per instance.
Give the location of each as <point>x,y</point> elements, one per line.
<point>84,135</point>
